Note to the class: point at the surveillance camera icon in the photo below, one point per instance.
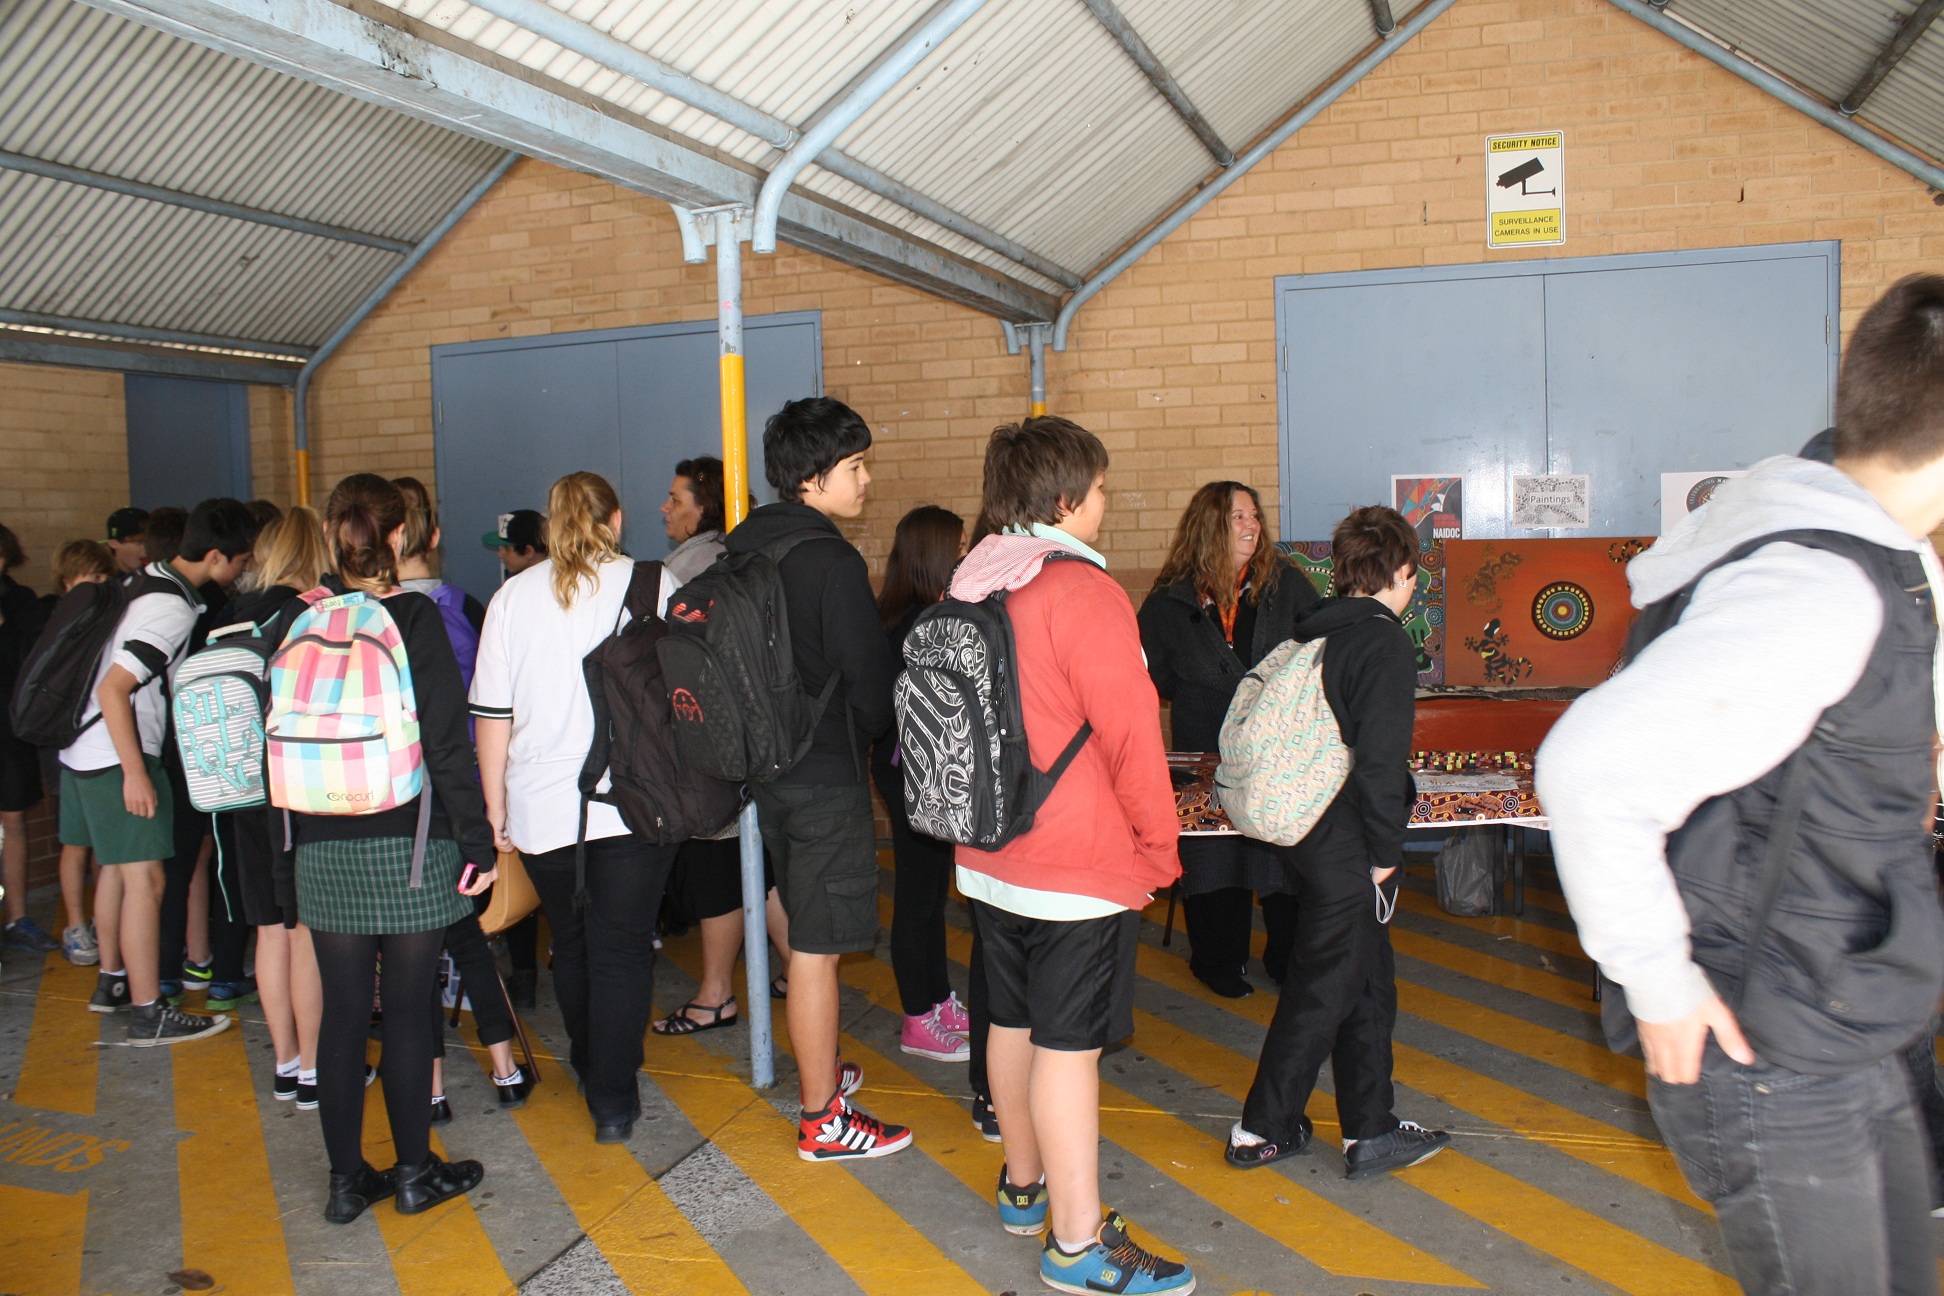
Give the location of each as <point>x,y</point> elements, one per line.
<point>1521,174</point>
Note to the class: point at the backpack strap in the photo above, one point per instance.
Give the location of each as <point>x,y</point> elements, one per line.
<point>775,550</point>
<point>639,604</point>
<point>424,832</point>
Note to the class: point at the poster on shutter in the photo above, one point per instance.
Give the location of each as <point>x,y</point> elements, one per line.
<point>1684,492</point>
<point>1434,504</point>
<point>1552,501</point>
<point>1525,189</point>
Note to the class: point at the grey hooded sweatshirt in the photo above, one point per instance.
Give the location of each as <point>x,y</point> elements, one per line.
<point>1765,646</point>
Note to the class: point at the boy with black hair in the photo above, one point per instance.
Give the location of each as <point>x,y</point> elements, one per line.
<point>125,539</point>
<point>1058,907</point>
<point>520,541</point>
<point>115,795</point>
<point>1762,882</point>
<point>816,819</point>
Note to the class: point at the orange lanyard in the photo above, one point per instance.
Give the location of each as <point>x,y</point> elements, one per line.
<point>1227,614</point>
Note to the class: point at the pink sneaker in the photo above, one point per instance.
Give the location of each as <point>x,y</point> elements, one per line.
<point>926,1037</point>
<point>952,1017</point>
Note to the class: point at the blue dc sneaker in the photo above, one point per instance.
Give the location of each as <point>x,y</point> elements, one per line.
<point>1114,1263</point>
<point>1021,1210</point>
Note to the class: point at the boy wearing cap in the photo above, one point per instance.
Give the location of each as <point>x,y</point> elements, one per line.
<point>521,540</point>
<point>126,527</point>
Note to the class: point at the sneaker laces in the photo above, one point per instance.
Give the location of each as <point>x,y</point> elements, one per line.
<point>1412,1126</point>
<point>1132,1256</point>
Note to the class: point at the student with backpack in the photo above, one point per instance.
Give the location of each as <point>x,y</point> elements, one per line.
<point>1076,843</point>
<point>599,883</point>
<point>1339,997</point>
<point>1762,883</point>
<point>21,617</point>
<point>77,562</point>
<point>368,752</point>
<point>418,571</point>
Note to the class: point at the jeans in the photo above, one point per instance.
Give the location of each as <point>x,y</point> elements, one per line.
<point>1821,1183</point>
<point>1920,1059</point>
<point>604,961</point>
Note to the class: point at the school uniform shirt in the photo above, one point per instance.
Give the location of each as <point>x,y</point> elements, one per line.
<point>529,672</point>
<point>149,643</point>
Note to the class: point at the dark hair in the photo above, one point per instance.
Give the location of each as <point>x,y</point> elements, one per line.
<point>1368,548</point>
<point>421,520</point>
<point>704,473</point>
<point>11,554</point>
<point>1890,396</point>
<point>363,511</point>
<point>1034,467</point>
<point>923,553</point>
<point>225,525</point>
<point>264,511</point>
<point>162,536</point>
<point>807,438</point>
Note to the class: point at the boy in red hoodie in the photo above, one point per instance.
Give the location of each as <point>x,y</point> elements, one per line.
<point>1058,907</point>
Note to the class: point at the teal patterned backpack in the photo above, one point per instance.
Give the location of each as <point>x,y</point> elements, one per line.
<point>1283,758</point>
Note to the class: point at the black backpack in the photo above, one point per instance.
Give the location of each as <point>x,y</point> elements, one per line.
<point>740,712</point>
<point>56,684</point>
<point>662,798</point>
<point>968,773</point>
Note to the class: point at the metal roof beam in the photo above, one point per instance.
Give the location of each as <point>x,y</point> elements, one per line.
<point>1108,14</point>
<point>379,62</point>
<point>1892,54</point>
<point>139,333</point>
<point>79,353</point>
<point>195,202</point>
<point>570,33</point>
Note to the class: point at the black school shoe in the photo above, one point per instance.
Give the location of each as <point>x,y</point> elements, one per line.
<point>1404,1146</point>
<point>513,1092</point>
<point>1228,983</point>
<point>441,1111</point>
<point>351,1194</point>
<point>1248,1156</point>
<point>423,1186</point>
<point>984,1119</point>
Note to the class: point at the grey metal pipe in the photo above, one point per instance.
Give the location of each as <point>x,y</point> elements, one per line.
<point>1261,149</point>
<point>301,417</point>
<point>194,202</point>
<point>1108,14</point>
<point>1892,54</point>
<point>1720,55</point>
<point>1380,13</point>
<point>142,333</point>
<point>841,116</point>
<point>570,33</point>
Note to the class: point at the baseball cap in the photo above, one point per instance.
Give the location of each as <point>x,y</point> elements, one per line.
<point>520,529</point>
<point>127,523</point>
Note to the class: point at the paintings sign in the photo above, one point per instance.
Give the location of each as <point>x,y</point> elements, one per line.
<point>1434,505</point>
<point>1684,492</point>
<point>1552,501</point>
<point>1536,613</point>
<point>1423,618</point>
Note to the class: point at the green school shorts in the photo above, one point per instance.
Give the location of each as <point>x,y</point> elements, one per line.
<point>92,814</point>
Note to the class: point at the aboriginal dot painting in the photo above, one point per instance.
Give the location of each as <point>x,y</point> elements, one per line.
<point>1536,613</point>
<point>1424,618</point>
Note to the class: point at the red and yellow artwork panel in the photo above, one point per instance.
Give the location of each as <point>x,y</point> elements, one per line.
<point>1536,613</point>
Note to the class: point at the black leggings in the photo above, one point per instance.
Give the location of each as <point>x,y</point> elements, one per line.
<point>921,888</point>
<point>410,973</point>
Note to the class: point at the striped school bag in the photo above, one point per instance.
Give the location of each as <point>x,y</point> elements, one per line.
<point>1283,758</point>
<point>343,726</point>
<point>217,701</point>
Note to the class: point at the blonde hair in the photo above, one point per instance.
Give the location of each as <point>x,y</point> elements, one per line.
<point>290,551</point>
<point>80,559</point>
<point>578,536</point>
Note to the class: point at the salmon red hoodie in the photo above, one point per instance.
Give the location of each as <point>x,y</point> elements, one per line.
<point>1108,830</point>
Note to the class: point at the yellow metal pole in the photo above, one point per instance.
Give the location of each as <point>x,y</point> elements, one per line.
<point>303,477</point>
<point>729,335</point>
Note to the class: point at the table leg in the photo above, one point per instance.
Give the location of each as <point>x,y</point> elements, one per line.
<point>1167,931</point>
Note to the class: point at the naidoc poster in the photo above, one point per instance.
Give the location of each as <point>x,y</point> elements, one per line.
<point>1435,505</point>
<point>1423,618</point>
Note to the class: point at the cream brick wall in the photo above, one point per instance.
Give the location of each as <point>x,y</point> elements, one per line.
<point>63,458</point>
<point>1174,364</point>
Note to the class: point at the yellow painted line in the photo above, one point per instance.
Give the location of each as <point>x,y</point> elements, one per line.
<point>59,1070</point>
<point>1536,935</point>
<point>41,1241</point>
<point>231,1225</point>
<point>647,1240</point>
<point>1537,982</point>
<point>874,1245</point>
<point>1324,1233</point>
<point>445,1251</point>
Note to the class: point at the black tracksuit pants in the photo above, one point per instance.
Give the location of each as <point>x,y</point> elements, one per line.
<point>1221,923</point>
<point>1339,1001</point>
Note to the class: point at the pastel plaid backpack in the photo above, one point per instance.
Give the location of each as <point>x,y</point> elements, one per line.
<point>1283,758</point>
<point>343,725</point>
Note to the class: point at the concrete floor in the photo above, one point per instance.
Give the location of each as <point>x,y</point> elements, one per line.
<point>121,1169</point>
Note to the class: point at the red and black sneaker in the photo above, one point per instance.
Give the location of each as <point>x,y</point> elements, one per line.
<point>841,1132</point>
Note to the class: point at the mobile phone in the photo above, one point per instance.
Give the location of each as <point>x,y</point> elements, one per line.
<point>467,875</point>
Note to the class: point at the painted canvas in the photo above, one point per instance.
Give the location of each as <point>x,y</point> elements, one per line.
<point>1536,613</point>
<point>1423,619</point>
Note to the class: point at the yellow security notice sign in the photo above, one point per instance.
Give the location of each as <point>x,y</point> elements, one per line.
<point>1525,189</point>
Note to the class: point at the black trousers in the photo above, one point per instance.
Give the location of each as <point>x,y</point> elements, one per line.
<point>177,870</point>
<point>229,925</point>
<point>1221,923</point>
<point>1339,1001</point>
<point>1927,1087</point>
<point>409,973</point>
<point>604,960</point>
<point>977,1008</point>
<point>917,904</point>
<point>479,980</point>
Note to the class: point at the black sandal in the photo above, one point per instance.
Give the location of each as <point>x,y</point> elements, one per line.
<point>680,1023</point>
<point>784,982</point>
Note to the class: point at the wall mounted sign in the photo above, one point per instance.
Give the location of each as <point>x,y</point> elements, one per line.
<point>1434,504</point>
<point>1552,501</point>
<point>1525,189</point>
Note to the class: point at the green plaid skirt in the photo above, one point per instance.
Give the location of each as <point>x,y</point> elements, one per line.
<point>363,888</point>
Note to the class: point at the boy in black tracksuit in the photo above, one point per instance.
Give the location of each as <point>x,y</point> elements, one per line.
<point>1339,997</point>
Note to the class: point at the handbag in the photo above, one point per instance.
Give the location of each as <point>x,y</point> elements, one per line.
<point>513,895</point>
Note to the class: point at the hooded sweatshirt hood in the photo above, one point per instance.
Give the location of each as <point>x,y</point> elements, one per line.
<point>1002,562</point>
<point>1335,615</point>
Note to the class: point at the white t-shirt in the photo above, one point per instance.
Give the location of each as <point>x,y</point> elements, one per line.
<point>156,626</point>
<point>529,672</point>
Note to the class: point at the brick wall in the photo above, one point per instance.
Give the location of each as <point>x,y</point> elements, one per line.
<point>1174,364</point>
<point>63,458</point>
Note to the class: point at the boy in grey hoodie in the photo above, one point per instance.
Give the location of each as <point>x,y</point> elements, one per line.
<point>1741,819</point>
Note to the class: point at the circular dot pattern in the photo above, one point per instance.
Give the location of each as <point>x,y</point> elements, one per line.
<point>1563,610</point>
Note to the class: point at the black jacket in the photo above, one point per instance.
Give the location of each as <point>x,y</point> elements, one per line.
<point>23,616</point>
<point>834,626</point>
<point>1370,681</point>
<point>1194,667</point>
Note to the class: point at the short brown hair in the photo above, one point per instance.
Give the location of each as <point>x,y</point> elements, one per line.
<point>1031,468</point>
<point>1368,548</point>
<point>1890,397</point>
<point>80,559</point>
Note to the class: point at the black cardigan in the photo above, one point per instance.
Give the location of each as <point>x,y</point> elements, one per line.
<point>1194,667</point>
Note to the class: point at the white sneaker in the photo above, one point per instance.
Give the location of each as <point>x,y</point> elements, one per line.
<point>79,946</point>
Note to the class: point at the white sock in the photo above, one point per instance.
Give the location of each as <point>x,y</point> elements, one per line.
<point>1074,1248</point>
<point>1348,1144</point>
<point>118,972</point>
<point>513,1079</point>
<point>307,1077</point>
<point>1239,1137</point>
<point>288,1069</point>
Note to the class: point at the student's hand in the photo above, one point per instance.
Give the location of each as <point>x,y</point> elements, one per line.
<point>1383,875</point>
<point>496,816</point>
<point>1673,1049</point>
<point>479,883</point>
<point>138,794</point>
